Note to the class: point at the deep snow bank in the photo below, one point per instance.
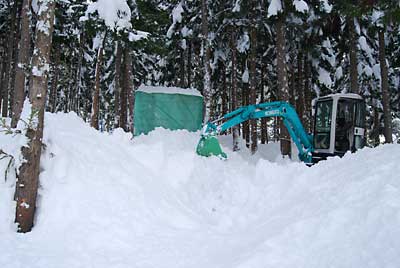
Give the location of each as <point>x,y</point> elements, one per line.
<point>109,201</point>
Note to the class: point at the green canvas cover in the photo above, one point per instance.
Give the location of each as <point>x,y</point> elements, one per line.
<point>170,108</point>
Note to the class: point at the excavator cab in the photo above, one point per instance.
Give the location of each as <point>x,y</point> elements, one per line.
<point>339,125</point>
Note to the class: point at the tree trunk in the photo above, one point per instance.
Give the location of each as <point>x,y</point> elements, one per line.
<point>245,124</point>
<point>96,94</point>
<point>189,64</point>
<point>307,95</point>
<point>300,105</point>
<point>10,50</point>
<point>127,89</point>
<point>182,68</point>
<point>224,94</point>
<point>234,93</point>
<point>22,64</point>
<point>353,55</point>
<point>117,83</point>
<point>2,70</point>
<point>264,125</point>
<point>253,82</point>
<point>28,176</point>
<point>387,117</point>
<point>207,94</point>
<point>283,88</point>
<point>54,84</point>
<point>78,82</point>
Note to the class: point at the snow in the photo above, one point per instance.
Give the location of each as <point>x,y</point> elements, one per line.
<point>115,13</point>
<point>274,8</point>
<point>176,18</point>
<point>300,6</point>
<point>362,41</point>
<point>326,6</point>
<point>236,7</point>
<point>139,35</point>
<point>169,90</point>
<point>109,201</point>
<point>324,77</point>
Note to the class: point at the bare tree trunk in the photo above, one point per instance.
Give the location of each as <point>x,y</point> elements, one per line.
<point>10,50</point>
<point>245,124</point>
<point>189,64</point>
<point>387,117</point>
<point>78,83</point>
<point>253,81</point>
<point>300,105</point>
<point>2,70</point>
<point>354,88</point>
<point>264,125</point>
<point>54,83</point>
<point>282,81</point>
<point>117,83</point>
<point>376,129</point>
<point>307,94</point>
<point>207,94</point>
<point>28,176</point>
<point>182,68</point>
<point>234,94</point>
<point>127,89</point>
<point>224,94</point>
<point>22,64</point>
<point>96,94</point>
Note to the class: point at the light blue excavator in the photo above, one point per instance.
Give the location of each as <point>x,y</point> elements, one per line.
<point>339,126</point>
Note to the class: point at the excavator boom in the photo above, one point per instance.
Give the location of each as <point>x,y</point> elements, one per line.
<point>209,145</point>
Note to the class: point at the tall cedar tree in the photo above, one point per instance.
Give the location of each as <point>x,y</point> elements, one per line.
<point>28,176</point>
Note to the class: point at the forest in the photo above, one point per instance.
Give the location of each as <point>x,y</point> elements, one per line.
<point>303,95</point>
<point>89,57</point>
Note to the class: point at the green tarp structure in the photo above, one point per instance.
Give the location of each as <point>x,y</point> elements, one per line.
<point>168,107</point>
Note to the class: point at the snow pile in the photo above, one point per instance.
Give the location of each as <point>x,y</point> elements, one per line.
<point>169,90</point>
<point>109,201</point>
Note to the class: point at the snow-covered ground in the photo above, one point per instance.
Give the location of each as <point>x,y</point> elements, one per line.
<point>109,201</point>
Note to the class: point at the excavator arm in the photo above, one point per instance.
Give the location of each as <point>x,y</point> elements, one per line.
<point>280,109</point>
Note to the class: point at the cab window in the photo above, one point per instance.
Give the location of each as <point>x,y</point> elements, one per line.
<point>323,121</point>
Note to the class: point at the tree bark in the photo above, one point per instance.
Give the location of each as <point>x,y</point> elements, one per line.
<point>127,89</point>
<point>264,125</point>
<point>2,70</point>
<point>300,105</point>
<point>354,87</point>
<point>22,64</point>
<point>207,94</point>
<point>387,117</point>
<point>234,93</point>
<point>189,64</point>
<point>182,68</point>
<point>117,86</point>
<point>54,83</point>
<point>245,124</point>
<point>224,95</point>
<point>283,88</point>
<point>28,175</point>
<point>78,82</point>
<point>307,94</point>
<point>96,94</point>
<point>253,81</point>
<point>10,50</point>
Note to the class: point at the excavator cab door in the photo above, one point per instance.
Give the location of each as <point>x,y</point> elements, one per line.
<point>339,125</point>
<point>349,125</point>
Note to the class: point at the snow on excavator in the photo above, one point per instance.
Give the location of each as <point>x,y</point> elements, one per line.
<point>339,126</point>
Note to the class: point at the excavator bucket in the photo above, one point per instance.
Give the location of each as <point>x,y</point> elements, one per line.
<point>208,146</point>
